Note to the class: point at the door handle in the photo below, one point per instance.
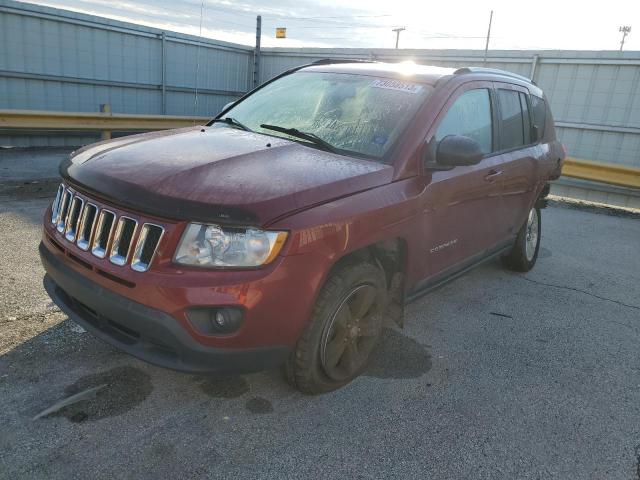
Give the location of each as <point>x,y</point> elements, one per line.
<point>492,175</point>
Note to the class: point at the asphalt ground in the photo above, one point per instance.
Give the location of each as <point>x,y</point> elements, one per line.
<point>495,375</point>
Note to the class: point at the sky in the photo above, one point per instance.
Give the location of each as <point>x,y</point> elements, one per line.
<point>542,24</point>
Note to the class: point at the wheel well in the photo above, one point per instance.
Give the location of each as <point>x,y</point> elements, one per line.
<point>390,255</point>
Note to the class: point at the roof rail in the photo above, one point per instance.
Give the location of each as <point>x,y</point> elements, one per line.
<point>330,61</point>
<point>495,71</point>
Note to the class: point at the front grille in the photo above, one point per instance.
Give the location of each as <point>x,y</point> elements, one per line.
<point>122,240</point>
<point>55,208</point>
<point>146,247</point>
<point>85,228</point>
<point>90,227</point>
<point>103,233</point>
<point>63,209</point>
<point>71,226</point>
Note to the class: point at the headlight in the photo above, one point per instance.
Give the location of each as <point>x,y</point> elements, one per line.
<point>216,246</point>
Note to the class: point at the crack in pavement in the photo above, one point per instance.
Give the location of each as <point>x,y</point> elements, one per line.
<point>574,289</point>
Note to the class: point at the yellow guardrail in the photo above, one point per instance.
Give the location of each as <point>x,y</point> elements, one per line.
<point>103,122</point>
<point>602,172</point>
<point>107,122</point>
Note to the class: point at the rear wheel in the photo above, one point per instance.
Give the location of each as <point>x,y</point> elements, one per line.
<point>524,253</point>
<point>344,328</point>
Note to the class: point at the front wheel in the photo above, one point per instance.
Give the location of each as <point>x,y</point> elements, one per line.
<point>344,329</point>
<point>524,253</point>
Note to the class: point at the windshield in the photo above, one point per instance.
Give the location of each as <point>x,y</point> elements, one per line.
<point>355,114</point>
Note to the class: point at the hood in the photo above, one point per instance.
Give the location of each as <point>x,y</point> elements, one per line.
<point>213,174</point>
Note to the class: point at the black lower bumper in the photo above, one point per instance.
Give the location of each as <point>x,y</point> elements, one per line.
<point>144,332</point>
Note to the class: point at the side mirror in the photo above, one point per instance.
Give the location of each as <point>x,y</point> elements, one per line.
<point>456,150</point>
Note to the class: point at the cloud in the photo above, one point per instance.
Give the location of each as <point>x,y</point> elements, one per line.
<point>368,23</point>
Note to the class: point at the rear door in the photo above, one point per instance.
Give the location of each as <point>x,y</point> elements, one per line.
<point>519,155</point>
<point>461,206</point>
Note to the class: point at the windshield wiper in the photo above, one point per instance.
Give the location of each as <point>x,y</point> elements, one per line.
<point>310,137</point>
<point>231,121</point>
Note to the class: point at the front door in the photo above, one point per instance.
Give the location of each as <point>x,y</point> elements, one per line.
<point>461,207</point>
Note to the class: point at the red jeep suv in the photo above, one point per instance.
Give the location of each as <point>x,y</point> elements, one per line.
<point>293,225</point>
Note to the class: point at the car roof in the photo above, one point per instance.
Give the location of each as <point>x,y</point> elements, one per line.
<point>420,73</point>
<point>429,74</point>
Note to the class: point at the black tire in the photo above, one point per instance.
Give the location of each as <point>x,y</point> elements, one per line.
<point>523,255</point>
<point>334,321</point>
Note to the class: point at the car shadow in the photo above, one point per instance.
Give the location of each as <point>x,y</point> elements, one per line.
<point>61,362</point>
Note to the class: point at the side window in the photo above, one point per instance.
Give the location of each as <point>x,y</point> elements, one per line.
<point>526,118</point>
<point>512,134</point>
<point>469,116</point>
<point>539,109</point>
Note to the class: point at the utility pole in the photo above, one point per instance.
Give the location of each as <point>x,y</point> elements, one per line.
<point>256,54</point>
<point>486,46</point>
<point>398,30</point>
<point>625,31</point>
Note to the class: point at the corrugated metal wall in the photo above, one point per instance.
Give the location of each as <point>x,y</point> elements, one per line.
<point>57,60</point>
<point>53,59</point>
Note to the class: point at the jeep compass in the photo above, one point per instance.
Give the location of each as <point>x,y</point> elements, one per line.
<point>292,226</point>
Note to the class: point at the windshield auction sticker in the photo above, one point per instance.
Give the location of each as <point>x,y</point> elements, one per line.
<point>397,85</point>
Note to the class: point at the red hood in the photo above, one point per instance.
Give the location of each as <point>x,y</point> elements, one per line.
<point>214,173</point>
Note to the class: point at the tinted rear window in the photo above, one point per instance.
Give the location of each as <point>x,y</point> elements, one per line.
<point>512,134</point>
<point>539,109</point>
<point>526,118</point>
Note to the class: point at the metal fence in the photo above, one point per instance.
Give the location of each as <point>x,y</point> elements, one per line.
<point>57,60</point>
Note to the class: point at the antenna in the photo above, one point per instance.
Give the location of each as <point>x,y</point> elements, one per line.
<point>398,30</point>
<point>625,30</point>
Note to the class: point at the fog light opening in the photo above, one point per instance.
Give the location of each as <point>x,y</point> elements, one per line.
<point>215,320</point>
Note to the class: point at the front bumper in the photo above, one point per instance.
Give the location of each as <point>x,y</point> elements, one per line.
<point>142,331</point>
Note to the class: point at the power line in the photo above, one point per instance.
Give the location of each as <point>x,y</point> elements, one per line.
<point>341,27</point>
<point>340,16</point>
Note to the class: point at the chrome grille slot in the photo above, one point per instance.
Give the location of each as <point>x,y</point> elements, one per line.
<point>72,218</point>
<point>104,227</point>
<point>55,208</point>
<point>146,247</point>
<point>102,232</point>
<point>85,227</point>
<point>122,240</point>
<point>64,210</point>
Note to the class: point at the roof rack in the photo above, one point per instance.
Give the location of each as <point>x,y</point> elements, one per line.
<point>495,71</point>
<point>330,61</point>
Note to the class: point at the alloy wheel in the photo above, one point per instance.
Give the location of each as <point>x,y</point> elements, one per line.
<point>531,234</point>
<point>351,333</point>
